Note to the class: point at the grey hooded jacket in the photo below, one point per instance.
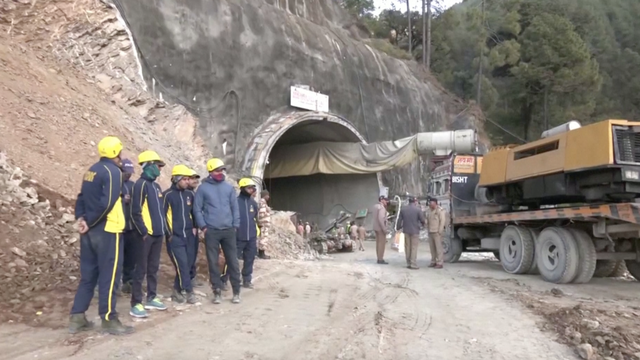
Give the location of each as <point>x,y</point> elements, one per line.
<point>216,206</point>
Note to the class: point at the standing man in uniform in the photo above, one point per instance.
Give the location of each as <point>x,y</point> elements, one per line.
<point>148,216</point>
<point>435,224</point>
<point>128,237</point>
<point>193,185</point>
<point>216,214</point>
<point>178,205</point>
<point>410,220</point>
<point>248,232</point>
<point>380,227</point>
<point>264,222</point>
<point>101,221</point>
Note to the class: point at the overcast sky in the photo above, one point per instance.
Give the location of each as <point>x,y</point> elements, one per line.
<point>415,4</point>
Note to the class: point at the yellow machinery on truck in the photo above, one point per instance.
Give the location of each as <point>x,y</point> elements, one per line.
<point>564,206</point>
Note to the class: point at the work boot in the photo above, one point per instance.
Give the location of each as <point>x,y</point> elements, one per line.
<point>191,298</point>
<point>126,288</point>
<point>247,285</point>
<point>78,323</point>
<point>115,327</point>
<point>177,297</point>
<point>217,296</point>
<point>236,299</point>
<point>262,255</point>
<point>382,262</point>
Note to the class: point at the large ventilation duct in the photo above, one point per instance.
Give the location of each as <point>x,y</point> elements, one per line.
<point>357,158</point>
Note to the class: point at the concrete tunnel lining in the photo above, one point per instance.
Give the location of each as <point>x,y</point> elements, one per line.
<point>319,197</point>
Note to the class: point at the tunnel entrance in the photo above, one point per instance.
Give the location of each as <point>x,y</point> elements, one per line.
<point>319,198</point>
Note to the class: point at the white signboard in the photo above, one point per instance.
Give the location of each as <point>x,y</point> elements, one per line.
<point>309,100</point>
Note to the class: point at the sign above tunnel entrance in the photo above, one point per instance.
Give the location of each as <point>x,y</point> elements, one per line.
<point>309,100</point>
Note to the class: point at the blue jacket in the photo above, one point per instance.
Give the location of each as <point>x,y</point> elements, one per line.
<point>178,207</point>
<point>147,208</point>
<point>216,206</point>
<point>127,192</point>
<point>99,200</point>
<point>248,208</point>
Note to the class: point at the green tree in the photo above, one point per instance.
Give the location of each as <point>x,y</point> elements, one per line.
<point>359,8</point>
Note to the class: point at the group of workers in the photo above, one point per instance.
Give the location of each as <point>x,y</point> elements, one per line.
<point>123,225</point>
<point>410,221</point>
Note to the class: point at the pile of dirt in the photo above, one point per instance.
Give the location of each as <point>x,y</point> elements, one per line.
<point>285,243</point>
<point>38,251</point>
<point>597,330</point>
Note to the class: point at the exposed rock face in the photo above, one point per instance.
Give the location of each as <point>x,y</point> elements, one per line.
<point>231,62</point>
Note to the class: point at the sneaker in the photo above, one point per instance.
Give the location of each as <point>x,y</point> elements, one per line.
<point>78,323</point>
<point>236,299</point>
<point>115,327</point>
<point>217,296</point>
<point>138,311</point>
<point>191,298</point>
<point>247,285</point>
<point>177,297</point>
<point>155,304</point>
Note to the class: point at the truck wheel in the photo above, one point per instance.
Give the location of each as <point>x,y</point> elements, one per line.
<point>452,249</point>
<point>587,254</point>
<point>516,250</point>
<point>634,268</point>
<point>620,270</point>
<point>534,265</point>
<point>557,256</point>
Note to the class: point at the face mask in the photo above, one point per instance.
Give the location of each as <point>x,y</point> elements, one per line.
<point>152,171</point>
<point>218,177</point>
<point>126,177</point>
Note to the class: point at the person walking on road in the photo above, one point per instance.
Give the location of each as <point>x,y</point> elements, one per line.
<point>248,232</point>
<point>101,222</point>
<point>149,219</point>
<point>264,222</point>
<point>216,214</point>
<point>178,205</point>
<point>436,222</point>
<point>410,220</point>
<point>128,236</point>
<point>380,227</point>
<point>362,235</point>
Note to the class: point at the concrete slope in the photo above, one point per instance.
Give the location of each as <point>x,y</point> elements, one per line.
<point>231,62</point>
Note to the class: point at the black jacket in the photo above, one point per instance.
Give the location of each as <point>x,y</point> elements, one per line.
<point>248,209</point>
<point>178,207</point>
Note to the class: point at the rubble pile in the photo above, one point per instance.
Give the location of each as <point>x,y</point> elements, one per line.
<point>285,243</point>
<point>38,250</point>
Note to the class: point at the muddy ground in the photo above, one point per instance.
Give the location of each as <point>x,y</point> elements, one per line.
<point>348,307</point>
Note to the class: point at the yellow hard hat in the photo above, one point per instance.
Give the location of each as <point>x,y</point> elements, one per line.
<point>110,147</point>
<point>182,170</point>
<point>214,164</point>
<point>148,156</point>
<point>244,182</point>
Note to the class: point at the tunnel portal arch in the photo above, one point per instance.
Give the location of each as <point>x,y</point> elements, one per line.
<point>319,197</point>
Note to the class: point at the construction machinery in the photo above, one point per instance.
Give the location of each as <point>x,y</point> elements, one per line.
<point>564,206</point>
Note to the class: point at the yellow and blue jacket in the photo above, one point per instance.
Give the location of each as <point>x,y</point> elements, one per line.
<point>147,211</point>
<point>99,201</point>
<point>178,207</point>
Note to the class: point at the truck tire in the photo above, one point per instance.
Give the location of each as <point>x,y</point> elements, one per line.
<point>557,255</point>
<point>452,249</point>
<point>604,268</point>
<point>587,254</point>
<point>634,268</point>
<point>517,249</point>
<point>620,270</point>
<point>534,266</point>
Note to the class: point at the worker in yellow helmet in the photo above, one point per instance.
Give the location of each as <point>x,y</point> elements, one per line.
<point>149,219</point>
<point>248,232</point>
<point>101,222</point>
<point>178,204</point>
<point>216,214</point>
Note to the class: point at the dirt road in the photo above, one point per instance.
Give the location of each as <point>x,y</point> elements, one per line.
<point>344,308</point>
